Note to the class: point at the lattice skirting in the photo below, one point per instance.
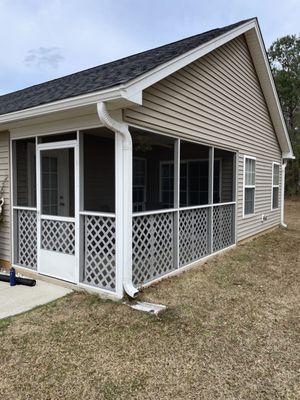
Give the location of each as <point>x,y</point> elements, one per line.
<point>26,239</point>
<point>58,236</point>
<point>193,235</point>
<point>223,226</point>
<point>152,247</point>
<point>100,252</point>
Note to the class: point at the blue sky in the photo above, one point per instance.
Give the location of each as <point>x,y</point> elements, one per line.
<point>42,40</point>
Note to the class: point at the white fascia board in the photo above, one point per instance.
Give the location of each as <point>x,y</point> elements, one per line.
<point>116,94</point>
<point>261,63</point>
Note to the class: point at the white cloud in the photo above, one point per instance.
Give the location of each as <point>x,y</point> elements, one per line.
<point>44,56</point>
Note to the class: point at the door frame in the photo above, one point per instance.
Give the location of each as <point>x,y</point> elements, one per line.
<point>68,144</point>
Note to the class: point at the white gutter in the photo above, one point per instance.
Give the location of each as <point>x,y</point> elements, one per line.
<point>122,129</point>
<point>283,166</point>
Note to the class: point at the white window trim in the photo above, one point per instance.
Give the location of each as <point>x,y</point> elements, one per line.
<point>245,216</point>
<point>275,186</point>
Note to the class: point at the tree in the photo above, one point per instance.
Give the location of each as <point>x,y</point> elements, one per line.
<point>284,56</point>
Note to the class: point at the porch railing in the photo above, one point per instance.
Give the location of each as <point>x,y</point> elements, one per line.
<point>25,245</point>
<point>164,241</point>
<point>99,250</point>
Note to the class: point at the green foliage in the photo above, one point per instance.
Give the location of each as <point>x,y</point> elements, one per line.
<point>284,56</point>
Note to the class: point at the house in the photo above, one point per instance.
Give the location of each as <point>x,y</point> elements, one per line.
<point>131,171</point>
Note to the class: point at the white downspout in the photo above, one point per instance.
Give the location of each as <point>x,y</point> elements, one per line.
<point>122,129</point>
<point>283,166</point>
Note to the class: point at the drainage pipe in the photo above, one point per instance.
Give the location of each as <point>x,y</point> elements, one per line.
<point>120,128</point>
<point>283,166</point>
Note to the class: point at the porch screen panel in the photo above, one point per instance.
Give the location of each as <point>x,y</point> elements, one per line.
<point>224,165</point>
<point>194,174</point>
<point>98,220</point>
<point>153,171</point>
<point>99,170</point>
<point>24,165</point>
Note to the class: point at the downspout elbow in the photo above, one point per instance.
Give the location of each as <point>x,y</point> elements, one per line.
<point>122,129</point>
<point>114,125</point>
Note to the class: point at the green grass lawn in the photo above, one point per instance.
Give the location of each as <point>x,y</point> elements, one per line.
<point>231,331</point>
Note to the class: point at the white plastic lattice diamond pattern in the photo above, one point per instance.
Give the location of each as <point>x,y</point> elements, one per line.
<point>193,235</point>
<point>100,252</point>
<point>27,239</point>
<point>223,226</point>
<point>58,236</point>
<point>152,247</point>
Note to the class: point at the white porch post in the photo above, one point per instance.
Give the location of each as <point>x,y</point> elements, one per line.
<point>123,196</point>
<point>283,166</point>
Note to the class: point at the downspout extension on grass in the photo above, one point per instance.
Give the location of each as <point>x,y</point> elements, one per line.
<point>282,223</point>
<point>122,129</point>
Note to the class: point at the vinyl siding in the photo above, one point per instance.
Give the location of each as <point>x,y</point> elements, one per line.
<point>218,100</point>
<point>4,173</point>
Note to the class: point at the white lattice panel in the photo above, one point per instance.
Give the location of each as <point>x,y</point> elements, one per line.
<point>152,247</point>
<point>100,252</point>
<point>193,235</point>
<point>223,226</point>
<point>27,239</point>
<point>58,236</point>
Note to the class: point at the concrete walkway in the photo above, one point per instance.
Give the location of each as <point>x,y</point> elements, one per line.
<point>17,299</point>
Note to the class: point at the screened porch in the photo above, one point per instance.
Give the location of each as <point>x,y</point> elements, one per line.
<point>67,203</point>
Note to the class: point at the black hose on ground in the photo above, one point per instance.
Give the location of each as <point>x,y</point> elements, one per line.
<point>19,281</point>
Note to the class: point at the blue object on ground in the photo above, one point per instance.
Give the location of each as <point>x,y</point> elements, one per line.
<point>12,277</point>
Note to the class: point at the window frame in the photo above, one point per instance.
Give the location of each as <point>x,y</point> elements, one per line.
<point>275,186</point>
<point>187,162</point>
<point>246,157</point>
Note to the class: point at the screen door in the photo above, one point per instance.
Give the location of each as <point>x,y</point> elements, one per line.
<point>56,211</point>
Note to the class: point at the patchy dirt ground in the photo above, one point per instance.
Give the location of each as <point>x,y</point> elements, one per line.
<point>231,332</point>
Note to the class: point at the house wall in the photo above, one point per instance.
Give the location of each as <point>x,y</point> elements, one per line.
<point>4,176</point>
<point>218,100</point>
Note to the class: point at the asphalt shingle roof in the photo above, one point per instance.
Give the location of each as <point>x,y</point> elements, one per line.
<point>106,75</point>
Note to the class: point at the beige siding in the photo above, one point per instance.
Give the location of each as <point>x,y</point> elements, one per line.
<point>4,174</point>
<point>218,100</point>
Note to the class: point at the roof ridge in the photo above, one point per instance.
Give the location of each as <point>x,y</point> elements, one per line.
<point>125,58</point>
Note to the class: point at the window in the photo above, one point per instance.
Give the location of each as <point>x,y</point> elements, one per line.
<point>139,184</point>
<point>275,186</point>
<point>249,185</point>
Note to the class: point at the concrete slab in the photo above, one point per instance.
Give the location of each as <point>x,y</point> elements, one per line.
<point>17,299</point>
